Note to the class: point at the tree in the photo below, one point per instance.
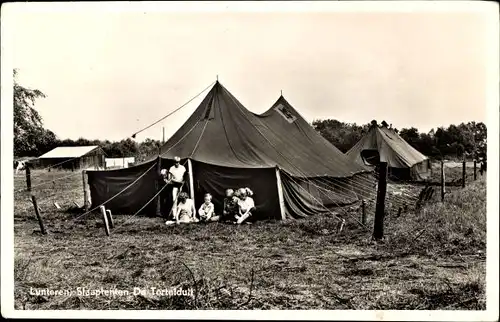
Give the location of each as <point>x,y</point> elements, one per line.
<point>46,141</point>
<point>28,126</point>
<point>426,144</point>
<point>411,136</point>
<point>342,135</point>
<point>148,148</point>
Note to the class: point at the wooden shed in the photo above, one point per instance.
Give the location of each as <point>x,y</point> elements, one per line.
<point>73,158</point>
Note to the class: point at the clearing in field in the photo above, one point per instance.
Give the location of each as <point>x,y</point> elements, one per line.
<point>430,259</point>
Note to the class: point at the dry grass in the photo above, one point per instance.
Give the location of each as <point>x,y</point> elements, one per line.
<point>433,259</point>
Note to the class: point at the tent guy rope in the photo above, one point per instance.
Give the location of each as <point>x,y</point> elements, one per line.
<point>169,114</point>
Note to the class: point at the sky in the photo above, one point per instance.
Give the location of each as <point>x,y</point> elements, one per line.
<point>109,73</point>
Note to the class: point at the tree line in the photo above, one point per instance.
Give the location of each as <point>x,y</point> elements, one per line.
<point>454,141</point>
<point>31,139</point>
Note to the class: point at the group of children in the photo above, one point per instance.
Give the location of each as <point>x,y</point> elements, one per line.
<point>238,207</point>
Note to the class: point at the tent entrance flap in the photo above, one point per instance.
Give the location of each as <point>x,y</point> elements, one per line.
<point>216,179</point>
<point>370,157</point>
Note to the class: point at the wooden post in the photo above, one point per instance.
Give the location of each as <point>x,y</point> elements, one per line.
<point>342,224</point>
<point>105,220</point>
<point>431,193</point>
<point>475,170</point>
<point>158,186</point>
<point>442,181</point>
<point>463,174</point>
<point>421,197</point>
<point>191,180</point>
<point>428,194</point>
<point>86,203</point>
<point>110,219</point>
<point>40,221</point>
<point>28,178</point>
<point>363,212</point>
<point>378,227</point>
<point>281,199</point>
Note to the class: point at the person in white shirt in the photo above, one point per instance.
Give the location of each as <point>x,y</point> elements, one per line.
<point>175,178</point>
<point>206,211</point>
<point>185,211</point>
<point>245,206</point>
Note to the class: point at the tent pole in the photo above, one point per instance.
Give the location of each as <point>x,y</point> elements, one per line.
<point>158,187</point>
<point>280,194</point>
<point>191,181</point>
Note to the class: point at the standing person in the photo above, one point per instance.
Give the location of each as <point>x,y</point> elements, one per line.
<point>175,178</point>
<point>245,206</point>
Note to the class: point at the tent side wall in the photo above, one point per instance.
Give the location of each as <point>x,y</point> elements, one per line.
<point>302,197</point>
<point>421,170</point>
<point>106,184</point>
<point>312,196</point>
<point>418,172</point>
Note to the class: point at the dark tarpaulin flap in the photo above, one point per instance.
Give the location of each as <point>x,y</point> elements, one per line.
<point>106,184</point>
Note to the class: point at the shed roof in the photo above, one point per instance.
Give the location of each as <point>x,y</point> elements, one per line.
<point>68,152</point>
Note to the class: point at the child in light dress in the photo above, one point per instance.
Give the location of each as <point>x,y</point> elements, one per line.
<point>246,205</point>
<point>185,212</point>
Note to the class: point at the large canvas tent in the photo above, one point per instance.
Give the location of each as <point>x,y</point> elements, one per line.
<point>404,161</point>
<point>293,171</point>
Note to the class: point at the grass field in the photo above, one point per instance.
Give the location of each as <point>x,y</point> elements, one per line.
<point>430,259</point>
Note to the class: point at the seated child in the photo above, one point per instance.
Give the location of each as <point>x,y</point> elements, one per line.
<point>206,211</point>
<point>245,205</point>
<point>230,206</point>
<point>185,211</point>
